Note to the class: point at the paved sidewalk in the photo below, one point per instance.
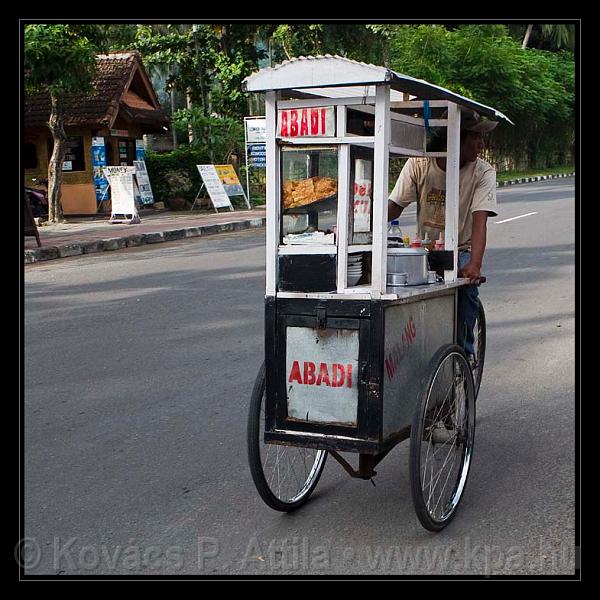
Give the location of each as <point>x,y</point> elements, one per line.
<point>97,234</point>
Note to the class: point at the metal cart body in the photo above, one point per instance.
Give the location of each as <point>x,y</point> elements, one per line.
<point>371,355</point>
<point>345,363</point>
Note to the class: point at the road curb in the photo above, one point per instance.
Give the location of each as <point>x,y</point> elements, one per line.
<point>531,179</point>
<point>33,255</point>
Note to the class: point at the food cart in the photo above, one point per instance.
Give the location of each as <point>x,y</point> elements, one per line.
<point>353,364</point>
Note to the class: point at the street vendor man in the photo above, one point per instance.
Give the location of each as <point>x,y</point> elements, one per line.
<point>423,180</point>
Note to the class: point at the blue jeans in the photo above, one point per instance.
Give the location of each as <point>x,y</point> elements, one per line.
<point>468,305</point>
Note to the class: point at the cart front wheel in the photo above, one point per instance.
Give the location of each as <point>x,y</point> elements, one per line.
<point>441,439</point>
<point>285,476</point>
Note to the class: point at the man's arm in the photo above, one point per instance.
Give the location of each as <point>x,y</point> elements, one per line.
<point>394,210</point>
<point>472,270</point>
<point>404,192</point>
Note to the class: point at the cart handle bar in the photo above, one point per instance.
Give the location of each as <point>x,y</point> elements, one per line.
<point>479,281</point>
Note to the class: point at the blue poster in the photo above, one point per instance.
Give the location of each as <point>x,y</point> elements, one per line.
<point>98,164</point>
<point>140,154</point>
<point>257,155</point>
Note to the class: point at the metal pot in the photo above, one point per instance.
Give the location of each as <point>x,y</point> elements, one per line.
<point>397,278</point>
<point>412,261</point>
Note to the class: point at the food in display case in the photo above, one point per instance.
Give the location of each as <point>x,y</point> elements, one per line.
<point>306,191</point>
<point>309,188</point>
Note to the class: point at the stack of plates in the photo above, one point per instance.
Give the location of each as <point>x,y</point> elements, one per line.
<point>354,268</point>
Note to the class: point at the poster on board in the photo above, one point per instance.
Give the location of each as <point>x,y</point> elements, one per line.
<point>143,182</point>
<point>255,133</point>
<point>363,192</point>
<point>98,164</point>
<point>214,187</point>
<point>231,182</point>
<point>256,130</point>
<point>122,185</point>
<point>140,152</point>
<point>257,155</point>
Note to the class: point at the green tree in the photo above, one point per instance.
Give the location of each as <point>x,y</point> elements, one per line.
<point>169,49</point>
<point>535,89</point>
<point>117,36</point>
<point>546,36</point>
<point>354,41</point>
<point>207,63</point>
<point>59,60</point>
<point>485,62</point>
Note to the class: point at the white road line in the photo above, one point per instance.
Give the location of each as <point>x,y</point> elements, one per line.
<point>513,218</point>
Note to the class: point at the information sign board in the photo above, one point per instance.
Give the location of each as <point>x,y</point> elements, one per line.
<point>143,182</point>
<point>214,187</point>
<point>123,194</point>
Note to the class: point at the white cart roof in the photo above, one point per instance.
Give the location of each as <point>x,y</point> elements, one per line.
<point>338,77</point>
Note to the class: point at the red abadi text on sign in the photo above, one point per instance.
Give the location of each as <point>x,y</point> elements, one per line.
<point>335,375</point>
<point>307,122</point>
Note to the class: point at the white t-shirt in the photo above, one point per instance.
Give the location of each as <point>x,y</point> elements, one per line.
<point>421,180</point>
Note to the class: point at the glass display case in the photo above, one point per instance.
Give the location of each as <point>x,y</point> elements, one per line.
<point>360,217</point>
<point>310,203</point>
<point>360,229</point>
<point>309,189</point>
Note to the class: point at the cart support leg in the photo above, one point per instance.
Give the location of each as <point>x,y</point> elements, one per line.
<point>366,464</point>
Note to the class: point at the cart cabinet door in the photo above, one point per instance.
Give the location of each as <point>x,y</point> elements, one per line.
<point>413,334</point>
<point>317,373</point>
<point>322,367</point>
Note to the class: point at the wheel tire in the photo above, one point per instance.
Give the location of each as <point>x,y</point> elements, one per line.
<point>479,331</point>
<point>448,367</point>
<point>289,460</point>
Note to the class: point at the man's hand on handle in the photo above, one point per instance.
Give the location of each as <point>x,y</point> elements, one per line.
<point>472,272</point>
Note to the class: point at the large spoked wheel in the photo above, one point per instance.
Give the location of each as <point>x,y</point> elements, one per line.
<point>441,439</point>
<point>479,346</point>
<point>285,476</point>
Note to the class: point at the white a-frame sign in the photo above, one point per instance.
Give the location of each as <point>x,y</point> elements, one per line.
<point>122,186</point>
<point>214,187</point>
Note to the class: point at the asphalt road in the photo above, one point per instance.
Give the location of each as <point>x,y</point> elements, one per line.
<point>138,371</point>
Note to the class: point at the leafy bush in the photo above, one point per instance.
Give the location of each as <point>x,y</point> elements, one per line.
<point>178,182</point>
<point>534,88</point>
<point>169,170</point>
<point>165,167</point>
<point>225,135</point>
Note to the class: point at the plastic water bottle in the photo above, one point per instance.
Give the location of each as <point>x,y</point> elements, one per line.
<point>394,234</point>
